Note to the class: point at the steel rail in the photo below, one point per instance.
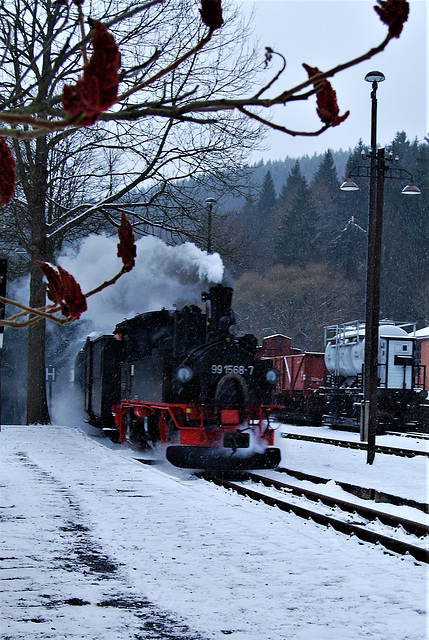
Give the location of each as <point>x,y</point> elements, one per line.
<point>408,434</point>
<point>416,528</point>
<point>397,546</point>
<point>365,493</point>
<point>405,453</point>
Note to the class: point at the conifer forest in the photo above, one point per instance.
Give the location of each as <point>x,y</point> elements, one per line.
<point>307,240</point>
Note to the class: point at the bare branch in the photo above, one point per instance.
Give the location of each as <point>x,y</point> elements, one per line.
<point>174,65</point>
<point>278,127</point>
<point>268,56</point>
<point>47,312</point>
<point>181,111</point>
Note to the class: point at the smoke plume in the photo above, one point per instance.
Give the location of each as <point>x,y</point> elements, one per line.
<point>164,276</point>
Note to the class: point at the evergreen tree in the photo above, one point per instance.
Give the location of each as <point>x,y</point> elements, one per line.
<point>288,190</point>
<point>249,211</point>
<point>326,179</point>
<point>266,206</point>
<point>347,252</point>
<point>405,258</point>
<point>259,222</point>
<point>347,241</point>
<point>296,239</point>
<point>326,196</point>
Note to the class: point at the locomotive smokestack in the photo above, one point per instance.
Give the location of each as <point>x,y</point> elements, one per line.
<point>220,316</point>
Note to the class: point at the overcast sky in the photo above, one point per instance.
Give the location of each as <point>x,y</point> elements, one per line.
<point>323,33</point>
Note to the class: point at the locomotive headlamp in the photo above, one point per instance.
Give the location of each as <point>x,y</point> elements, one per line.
<point>234,330</point>
<point>184,373</point>
<point>272,376</point>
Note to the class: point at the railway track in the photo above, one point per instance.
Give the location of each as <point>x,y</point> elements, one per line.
<point>291,499</point>
<point>365,493</point>
<point>408,434</point>
<point>396,451</point>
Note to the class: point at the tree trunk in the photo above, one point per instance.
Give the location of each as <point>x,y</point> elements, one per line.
<point>37,404</point>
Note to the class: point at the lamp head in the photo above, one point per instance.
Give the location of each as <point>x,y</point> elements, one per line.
<point>375,76</point>
<point>411,189</point>
<point>349,185</point>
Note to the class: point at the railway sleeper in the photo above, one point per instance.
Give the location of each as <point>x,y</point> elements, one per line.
<point>366,535</point>
<point>417,529</point>
<point>360,492</point>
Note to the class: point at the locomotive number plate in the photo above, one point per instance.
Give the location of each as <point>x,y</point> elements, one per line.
<point>232,368</point>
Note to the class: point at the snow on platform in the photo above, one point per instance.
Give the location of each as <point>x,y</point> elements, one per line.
<point>96,545</point>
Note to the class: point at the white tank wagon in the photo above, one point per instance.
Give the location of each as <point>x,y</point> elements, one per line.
<point>345,353</point>
<point>399,400</point>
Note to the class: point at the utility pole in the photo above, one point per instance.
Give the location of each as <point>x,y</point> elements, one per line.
<point>377,174</point>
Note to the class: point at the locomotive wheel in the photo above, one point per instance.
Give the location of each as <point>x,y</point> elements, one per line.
<point>150,431</point>
<point>135,433</point>
<point>114,436</point>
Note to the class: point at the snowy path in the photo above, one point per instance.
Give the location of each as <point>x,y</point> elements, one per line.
<point>57,581</point>
<point>96,545</point>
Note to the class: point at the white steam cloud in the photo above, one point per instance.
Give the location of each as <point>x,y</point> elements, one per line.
<point>164,276</point>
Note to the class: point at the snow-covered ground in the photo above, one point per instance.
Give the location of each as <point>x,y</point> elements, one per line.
<point>96,545</point>
<point>390,474</point>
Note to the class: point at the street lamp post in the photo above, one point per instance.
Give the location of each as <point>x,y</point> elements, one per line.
<point>372,313</point>
<point>210,202</point>
<point>378,171</point>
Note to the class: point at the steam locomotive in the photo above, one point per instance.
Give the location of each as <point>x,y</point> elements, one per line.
<point>327,388</point>
<point>183,378</point>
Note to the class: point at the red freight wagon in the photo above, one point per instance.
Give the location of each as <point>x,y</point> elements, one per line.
<point>302,372</point>
<point>301,375</point>
<point>422,351</point>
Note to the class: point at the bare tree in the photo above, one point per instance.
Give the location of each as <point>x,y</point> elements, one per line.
<point>68,179</point>
<point>294,301</point>
<point>160,99</point>
<point>140,99</point>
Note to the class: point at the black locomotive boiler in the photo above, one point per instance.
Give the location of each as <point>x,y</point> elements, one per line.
<point>186,379</point>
